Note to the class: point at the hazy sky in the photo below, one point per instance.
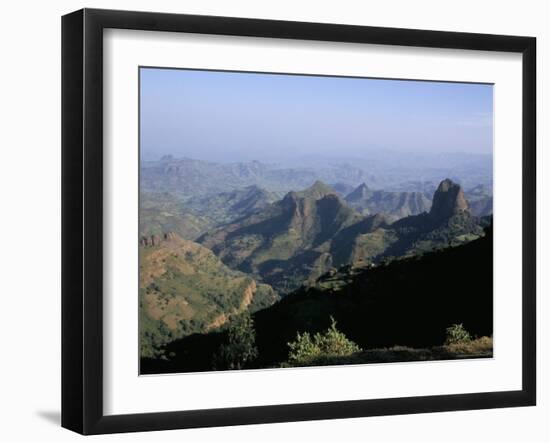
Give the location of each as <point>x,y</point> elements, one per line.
<point>239,116</point>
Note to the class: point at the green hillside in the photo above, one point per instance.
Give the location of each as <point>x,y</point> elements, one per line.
<point>185,289</point>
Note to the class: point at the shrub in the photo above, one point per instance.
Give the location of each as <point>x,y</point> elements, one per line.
<point>457,334</point>
<point>308,350</point>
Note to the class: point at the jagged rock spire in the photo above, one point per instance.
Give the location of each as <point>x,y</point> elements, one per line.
<point>448,200</point>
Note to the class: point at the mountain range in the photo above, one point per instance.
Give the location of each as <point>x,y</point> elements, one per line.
<point>185,177</point>
<point>190,197</point>
<point>392,203</point>
<point>295,240</point>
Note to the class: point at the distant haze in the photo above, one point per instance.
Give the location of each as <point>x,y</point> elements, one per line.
<point>222,116</point>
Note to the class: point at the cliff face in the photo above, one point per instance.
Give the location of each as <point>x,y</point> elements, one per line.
<point>155,240</point>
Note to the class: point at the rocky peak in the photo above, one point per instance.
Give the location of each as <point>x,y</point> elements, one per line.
<point>315,192</point>
<point>448,200</point>
<point>360,193</point>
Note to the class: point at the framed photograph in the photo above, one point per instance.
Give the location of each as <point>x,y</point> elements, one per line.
<point>269,221</point>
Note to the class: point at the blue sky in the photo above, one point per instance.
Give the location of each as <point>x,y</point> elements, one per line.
<point>223,116</point>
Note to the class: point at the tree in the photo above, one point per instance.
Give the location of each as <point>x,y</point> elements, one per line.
<point>240,346</point>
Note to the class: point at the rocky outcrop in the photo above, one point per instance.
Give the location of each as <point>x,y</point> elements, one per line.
<point>150,240</point>
<point>448,200</point>
<point>360,193</point>
<point>316,191</point>
<point>155,240</point>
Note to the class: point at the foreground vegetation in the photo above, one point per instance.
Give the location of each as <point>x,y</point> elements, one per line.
<point>453,349</point>
<point>237,349</point>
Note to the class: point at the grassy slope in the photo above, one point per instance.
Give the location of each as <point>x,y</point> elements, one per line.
<point>185,288</point>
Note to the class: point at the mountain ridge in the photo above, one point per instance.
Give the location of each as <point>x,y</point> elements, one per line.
<point>188,177</point>
<point>397,204</point>
<point>307,233</point>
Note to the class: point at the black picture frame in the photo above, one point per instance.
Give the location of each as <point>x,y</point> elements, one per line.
<point>82,218</point>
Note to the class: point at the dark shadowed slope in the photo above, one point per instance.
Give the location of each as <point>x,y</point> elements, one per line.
<point>408,302</point>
